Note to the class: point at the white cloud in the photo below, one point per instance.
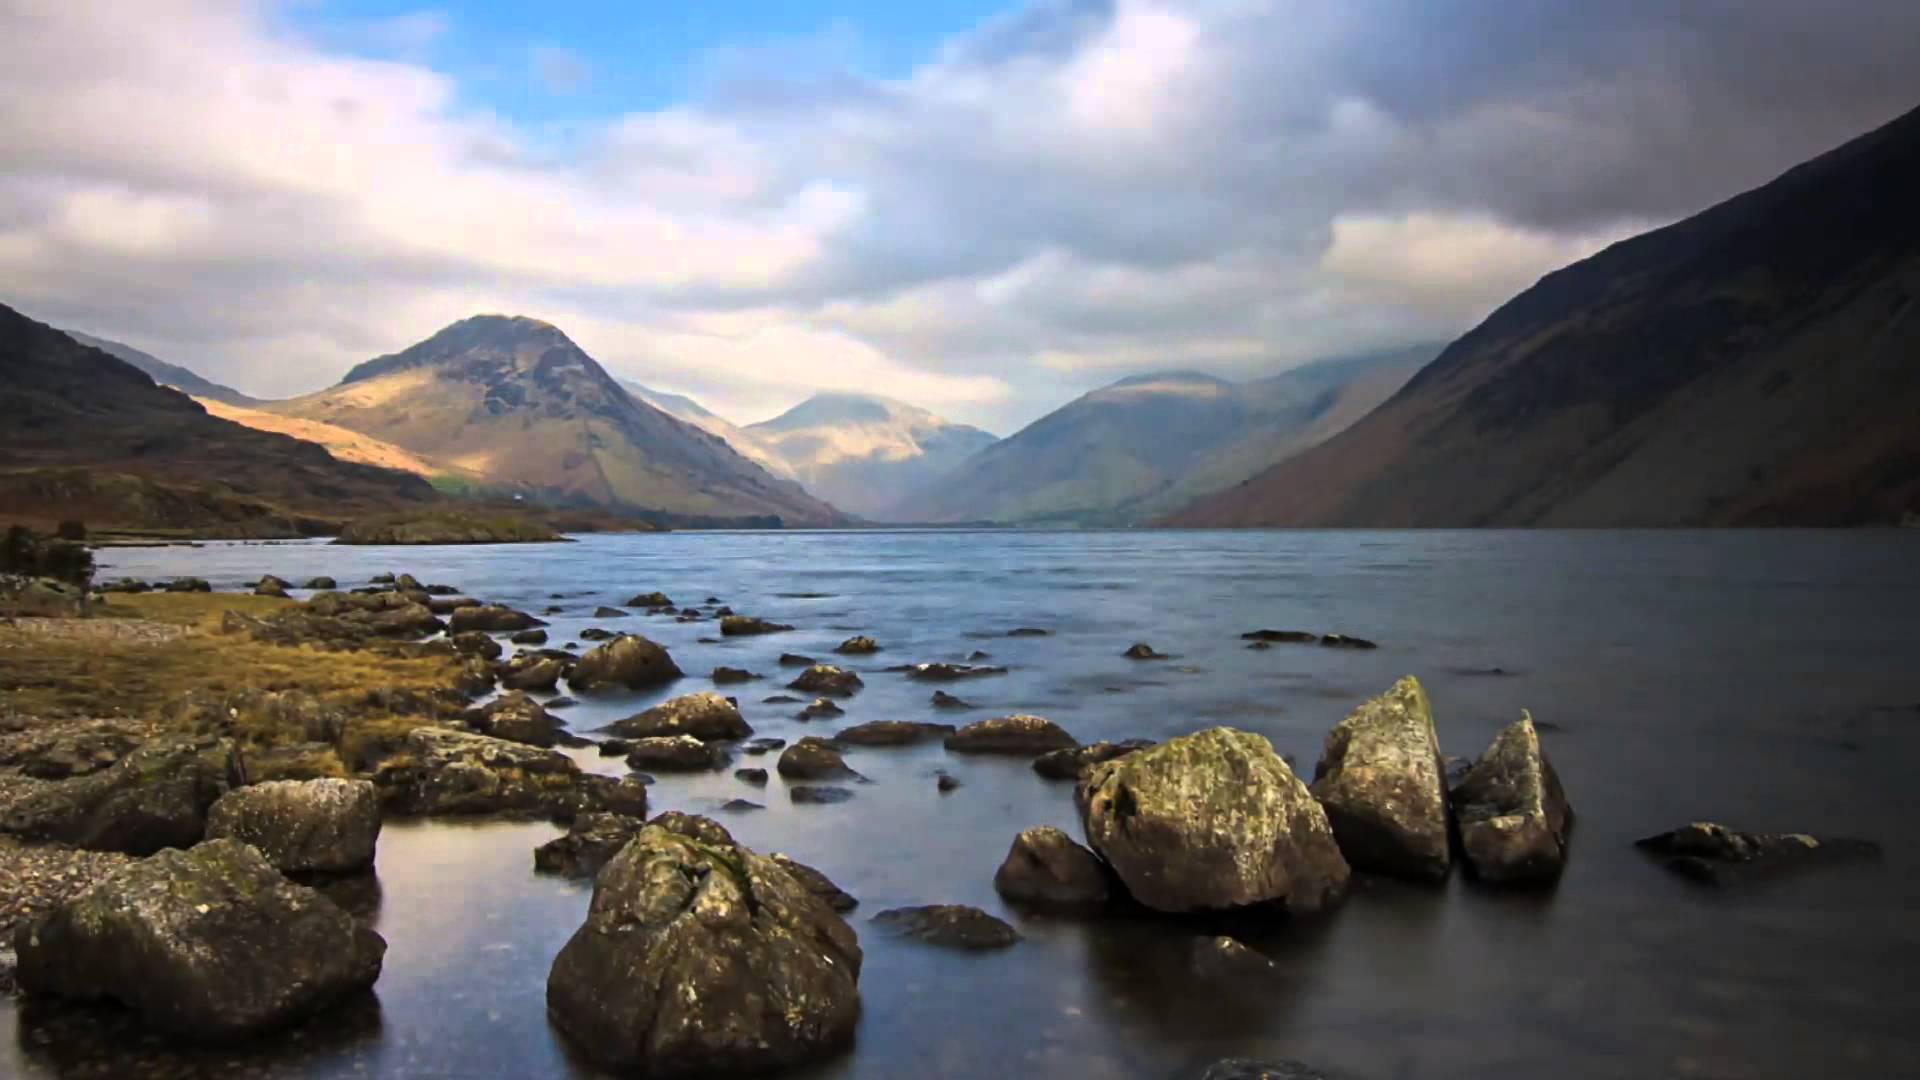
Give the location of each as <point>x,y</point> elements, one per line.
<point>560,71</point>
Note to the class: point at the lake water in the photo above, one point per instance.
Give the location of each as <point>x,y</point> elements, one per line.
<point>1767,680</point>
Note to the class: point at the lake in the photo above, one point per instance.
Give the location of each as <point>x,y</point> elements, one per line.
<point>1768,680</point>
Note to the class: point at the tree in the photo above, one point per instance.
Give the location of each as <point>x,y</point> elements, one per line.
<point>75,531</point>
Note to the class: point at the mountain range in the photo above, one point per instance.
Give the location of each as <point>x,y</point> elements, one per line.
<point>865,453</point>
<point>1755,364</point>
<point>166,374</point>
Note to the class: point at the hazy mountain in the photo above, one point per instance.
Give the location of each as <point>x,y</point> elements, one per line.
<point>685,408</point>
<point>865,453</point>
<point>516,403</point>
<point>1758,363</point>
<point>1148,444</point>
<point>164,373</point>
<point>86,435</point>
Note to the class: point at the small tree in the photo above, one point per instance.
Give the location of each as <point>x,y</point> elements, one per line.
<point>20,552</point>
<point>75,531</point>
<point>70,563</point>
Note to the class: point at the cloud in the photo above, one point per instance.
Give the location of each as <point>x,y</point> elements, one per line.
<point>1071,192</point>
<point>409,34</point>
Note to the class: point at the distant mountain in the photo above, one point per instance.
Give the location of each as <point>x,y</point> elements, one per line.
<point>516,403</point>
<point>866,453</point>
<point>1151,443</point>
<point>164,373</point>
<point>86,435</point>
<point>685,408</point>
<point>1756,364</point>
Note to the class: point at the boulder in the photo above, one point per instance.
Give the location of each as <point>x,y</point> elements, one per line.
<point>492,617</point>
<point>674,753</point>
<point>1512,812</point>
<point>589,843</point>
<point>1714,854</point>
<point>1073,762</point>
<point>756,777</point>
<point>443,771</point>
<point>1211,821</point>
<point>476,643</point>
<point>155,797</point>
<point>595,633</point>
<point>817,883</point>
<point>724,676</point>
<point>210,944</point>
<point>650,600</point>
<point>705,715</point>
<point>628,662</point>
<point>741,806</point>
<point>858,646</point>
<point>704,958</point>
<point>537,673</point>
<point>813,758</point>
<point>820,707</point>
<point>746,626</point>
<point>1342,641</point>
<point>944,781</point>
<point>1383,784</point>
<point>763,745</point>
<point>535,636</point>
<point>1143,651</point>
<point>1295,637</point>
<point>188,584</point>
<point>380,579</point>
<point>605,612</point>
<point>817,794</point>
<point>271,586</point>
<point>407,583</point>
<point>124,585</point>
<point>1046,869</point>
<point>795,660</point>
<point>827,679</point>
<point>950,672</point>
<point>943,700</point>
<point>892,733</point>
<point>1018,734</point>
<point>516,717</point>
<point>321,582</point>
<point>1027,631</point>
<point>950,926</point>
<point>303,826</point>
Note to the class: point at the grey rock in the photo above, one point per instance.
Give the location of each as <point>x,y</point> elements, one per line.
<point>1383,785</point>
<point>1020,734</point>
<point>303,826</point>
<point>628,662</point>
<point>704,715</point>
<point>1512,812</point>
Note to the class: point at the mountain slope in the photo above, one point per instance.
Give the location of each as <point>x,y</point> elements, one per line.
<point>863,452</point>
<point>515,402</point>
<point>1149,444</point>
<point>164,373</point>
<point>1758,363</point>
<point>342,443</point>
<point>86,435</point>
<point>685,408</point>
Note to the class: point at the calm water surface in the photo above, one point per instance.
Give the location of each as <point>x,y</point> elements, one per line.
<point>1768,680</point>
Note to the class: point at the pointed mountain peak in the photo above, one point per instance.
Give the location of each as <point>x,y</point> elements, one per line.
<point>494,338</point>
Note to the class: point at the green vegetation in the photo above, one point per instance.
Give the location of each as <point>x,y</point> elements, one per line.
<point>448,527</point>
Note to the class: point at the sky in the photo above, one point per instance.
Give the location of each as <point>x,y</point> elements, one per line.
<point>982,208</point>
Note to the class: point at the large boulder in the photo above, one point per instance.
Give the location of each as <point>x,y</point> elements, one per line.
<point>1211,821</point>
<point>703,958</point>
<point>1045,868</point>
<point>1384,785</point>
<point>444,771</point>
<point>210,943</point>
<point>813,758</point>
<point>628,662</point>
<point>540,674</point>
<point>590,842</point>
<point>892,733</point>
<point>747,626</point>
<point>1017,735</point>
<point>516,717</point>
<point>704,715</point>
<point>827,679</point>
<point>303,826</point>
<point>1512,811</point>
<point>491,617</point>
<point>155,797</point>
<point>674,753</point>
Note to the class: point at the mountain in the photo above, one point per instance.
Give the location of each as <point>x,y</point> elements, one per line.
<point>1149,444</point>
<point>685,408</point>
<point>342,443</point>
<point>1755,364</point>
<point>88,436</point>
<point>866,453</point>
<point>164,373</point>
<point>516,403</point>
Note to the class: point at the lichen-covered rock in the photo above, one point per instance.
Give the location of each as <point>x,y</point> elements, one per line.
<point>892,733</point>
<point>813,758</point>
<point>1383,784</point>
<point>674,753</point>
<point>747,625</point>
<point>628,662</point>
<point>1513,813</point>
<point>303,826</point>
<point>700,958</point>
<point>1717,855</point>
<point>1020,734</point>
<point>951,926</point>
<point>827,679</point>
<point>704,715</point>
<point>476,643</point>
<point>1073,762</point>
<point>457,772</point>
<point>1212,821</point>
<point>694,827</point>
<point>858,646</point>
<point>210,943</point>
<point>155,797</point>
<point>1045,868</point>
<point>516,717</point>
<point>589,843</point>
<point>491,617</point>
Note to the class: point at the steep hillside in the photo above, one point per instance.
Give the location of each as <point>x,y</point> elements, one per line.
<point>866,453</point>
<point>1148,444</point>
<point>515,402</point>
<point>164,373</point>
<point>685,408</point>
<point>87,435</point>
<point>1758,363</point>
<point>340,442</point>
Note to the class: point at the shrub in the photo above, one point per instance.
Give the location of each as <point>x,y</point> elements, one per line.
<point>75,531</point>
<point>24,554</point>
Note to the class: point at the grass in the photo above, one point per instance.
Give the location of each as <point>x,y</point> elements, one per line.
<point>100,675</point>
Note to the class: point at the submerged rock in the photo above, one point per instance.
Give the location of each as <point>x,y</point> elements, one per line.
<point>704,958</point>
<point>321,582</point>
<point>951,926</point>
<point>675,753</point>
<point>1045,868</point>
<point>1300,637</point>
<point>820,707</point>
<point>303,826</point>
<point>493,617</point>
<point>1211,821</point>
<point>827,679</point>
<point>605,612</point>
<point>813,758</point>
<point>796,660</point>
<point>628,662</point>
<point>650,600</point>
<point>1073,762</point>
<point>950,672</point>
<point>589,843</point>
<point>1143,651</point>
<point>155,797</point>
<point>1342,641</point>
<point>817,794</point>
<point>892,733</point>
<point>748,626</point>
<point>723,676</point>
<point>1027,631</point>
<point>1512,812</point>
<point>1717,855</point>
<point>756,777</point>
<point>1224,957</point>
<point>210,943</point>
<point>188,584</point>
<point>943,700</point>
<point>858,646</point>
<point>704,715</point>
<point>1383,784</point>
<point>763,744</point>
<point>1018,734</point>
